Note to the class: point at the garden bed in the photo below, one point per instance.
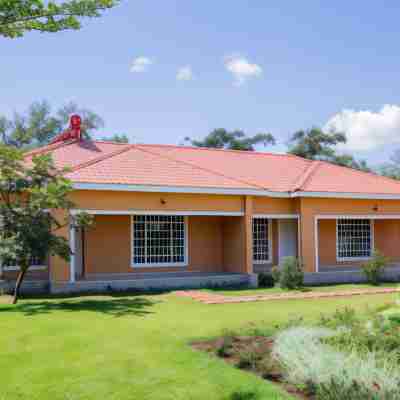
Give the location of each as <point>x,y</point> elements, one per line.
<point>345,356</point>
<point>252,354</point>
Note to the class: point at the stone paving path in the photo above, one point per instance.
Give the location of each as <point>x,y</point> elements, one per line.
<point>212,298</point>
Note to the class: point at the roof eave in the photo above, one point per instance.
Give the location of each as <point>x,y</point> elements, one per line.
<point>348,195</point>
<point>176,189</point>
<point>230,191</point>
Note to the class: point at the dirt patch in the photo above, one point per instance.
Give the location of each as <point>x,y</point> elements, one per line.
<point>252,354</point>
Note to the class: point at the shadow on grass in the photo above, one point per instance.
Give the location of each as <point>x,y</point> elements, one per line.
<point>117,307</point>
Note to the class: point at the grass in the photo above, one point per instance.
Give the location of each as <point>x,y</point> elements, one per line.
<point>278,290</point>
<point>136,347</point>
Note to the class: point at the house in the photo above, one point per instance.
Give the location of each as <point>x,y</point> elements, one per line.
<point>172,216</point>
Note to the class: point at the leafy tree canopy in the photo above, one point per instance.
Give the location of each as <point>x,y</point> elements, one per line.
<point>233,140</point>
<point>117,138</point>
<point>391,169</point>
<point>20,16</point>
<point>39,125</point>
<point>30,193</point>
<point>315,144</point>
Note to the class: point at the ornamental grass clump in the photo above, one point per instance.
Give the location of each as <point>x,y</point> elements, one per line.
<point>333,374</point>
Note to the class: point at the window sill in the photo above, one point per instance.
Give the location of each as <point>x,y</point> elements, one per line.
<point>163,265</point>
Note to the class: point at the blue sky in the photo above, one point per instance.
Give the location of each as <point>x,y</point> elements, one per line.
<point>275,66</point>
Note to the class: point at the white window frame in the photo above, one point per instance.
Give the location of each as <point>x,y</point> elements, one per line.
<point>185,263</point>
<point>343,259</point>
<point>269,260</point>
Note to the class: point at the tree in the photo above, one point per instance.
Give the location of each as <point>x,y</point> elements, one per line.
<point>117,138</point>
<point>234,140</point>
<point>392,168</point>
<point>315,144</point>
<point>20,16</point>
<point>29,194</point>
<point>39,125</point>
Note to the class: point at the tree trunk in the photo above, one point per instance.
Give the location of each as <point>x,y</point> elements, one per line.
<point>20,278</point>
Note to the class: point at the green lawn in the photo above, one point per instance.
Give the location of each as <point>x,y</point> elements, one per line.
<point>278,290</point>
<point>134,347</point>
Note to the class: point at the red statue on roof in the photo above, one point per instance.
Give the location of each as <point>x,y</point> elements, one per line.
<point>72,133</point>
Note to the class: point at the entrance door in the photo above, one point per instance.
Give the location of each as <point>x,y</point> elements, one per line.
<point>287,238</point>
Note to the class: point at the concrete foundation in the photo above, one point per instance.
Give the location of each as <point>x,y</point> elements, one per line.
<point>156,283</point>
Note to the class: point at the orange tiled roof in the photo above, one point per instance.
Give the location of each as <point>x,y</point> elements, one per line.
<point>97,162</point>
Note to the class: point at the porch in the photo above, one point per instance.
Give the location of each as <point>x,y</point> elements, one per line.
<point>345,242</point>
<point>159,250</point>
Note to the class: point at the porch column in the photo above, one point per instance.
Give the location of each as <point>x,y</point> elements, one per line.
<point>248,231</point>
<point>309,241</point>
<point>72,245</point>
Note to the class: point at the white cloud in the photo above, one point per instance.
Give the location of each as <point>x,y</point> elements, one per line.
<point>367,130</point>
<point>241,69</point>
<point>184,73</point>
<point>140,64</point>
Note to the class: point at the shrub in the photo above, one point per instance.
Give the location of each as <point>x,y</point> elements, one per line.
<point>373,269</point>
<point>334,390</point>
<point>345,317</point>
<point>224,350</point>
<point>276,274</point>
<point>248,359</point>
<point>244,395</point>
<point>265,280</point>
<point>291,275</point>
<point>265,366</point>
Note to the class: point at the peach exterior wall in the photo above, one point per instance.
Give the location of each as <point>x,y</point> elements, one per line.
<point>386,239</point>
<point>271,205</point>
<point>108,246</point>
<point>228,240</point>
<point>108,200</point>
<point>307,208</point>
<point>310,207</point>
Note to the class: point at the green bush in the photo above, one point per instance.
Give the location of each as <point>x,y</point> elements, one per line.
<point>373,269</point>
<point>225,348</point>
<point>248,359</point>
<point>334,390</point>
<point>265,280</point>
<point>291,274</point>
<point>276,274</point>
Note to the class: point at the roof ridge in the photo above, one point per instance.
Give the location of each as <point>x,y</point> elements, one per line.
<point>204,169</point>
<point>247,152</point>
<point>48,147</point>
<point>101,158</point>
<point>311,169</point>
<point>111,142</point>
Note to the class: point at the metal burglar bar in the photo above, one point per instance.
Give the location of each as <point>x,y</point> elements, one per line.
<point>159,240</point>
<point>261,240</point>
<point>354,238</point>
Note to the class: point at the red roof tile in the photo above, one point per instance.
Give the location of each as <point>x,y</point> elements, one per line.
<point>163,165</point>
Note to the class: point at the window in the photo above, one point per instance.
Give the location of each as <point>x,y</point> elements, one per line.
<point>354,238</point>
<point>159,240</point>
<point>261,241</point>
